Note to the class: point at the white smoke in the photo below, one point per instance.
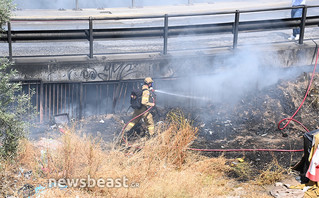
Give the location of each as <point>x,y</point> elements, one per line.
<point>244,72</point>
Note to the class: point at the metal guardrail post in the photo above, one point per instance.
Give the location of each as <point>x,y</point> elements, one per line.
<point>235,29</point>
<point>76,4</point>
<point>133,3</point>
<point>81,100</point>
<point>303,24</point>
<point>41,101</point>
<point>165,33</point>
<point>10,41</point>
<point>91,37</point>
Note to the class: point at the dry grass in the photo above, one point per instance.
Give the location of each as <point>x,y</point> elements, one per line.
<point>162,166</point>
<point>241,170</point>
<point>272,174</point>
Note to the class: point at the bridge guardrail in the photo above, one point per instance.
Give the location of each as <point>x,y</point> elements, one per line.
<point>10,36</point>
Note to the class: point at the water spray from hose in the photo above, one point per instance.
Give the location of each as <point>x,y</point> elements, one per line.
<point>182,95</point>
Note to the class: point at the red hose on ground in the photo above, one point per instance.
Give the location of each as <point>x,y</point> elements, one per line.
<point>243,150</point>
<point>292,117</point>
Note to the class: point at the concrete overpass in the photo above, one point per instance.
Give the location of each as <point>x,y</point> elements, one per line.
<point>76,84</point>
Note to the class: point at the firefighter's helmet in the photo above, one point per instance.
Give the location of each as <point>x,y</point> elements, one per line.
<point>148,80</point>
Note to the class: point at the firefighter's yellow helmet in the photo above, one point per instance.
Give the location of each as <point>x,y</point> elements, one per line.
<point>148,80</point>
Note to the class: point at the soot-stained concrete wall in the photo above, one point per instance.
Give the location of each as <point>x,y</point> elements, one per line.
<point>107,68</point>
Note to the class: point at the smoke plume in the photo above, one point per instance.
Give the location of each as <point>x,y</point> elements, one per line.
<point>244,72</point>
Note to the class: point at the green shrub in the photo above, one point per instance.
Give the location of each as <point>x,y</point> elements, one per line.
<point>15,109</point>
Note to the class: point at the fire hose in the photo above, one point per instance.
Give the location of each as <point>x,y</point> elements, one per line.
<point>249,150</point>
<point>304,99</point>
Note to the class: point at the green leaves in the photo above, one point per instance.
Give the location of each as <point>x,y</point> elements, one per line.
<point>15,107</point>
<point>5,11</point>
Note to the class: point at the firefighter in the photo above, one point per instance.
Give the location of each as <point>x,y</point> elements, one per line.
<point>145,104</point>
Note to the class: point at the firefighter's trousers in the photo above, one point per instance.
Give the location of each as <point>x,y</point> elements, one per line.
<point>148,118</point>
